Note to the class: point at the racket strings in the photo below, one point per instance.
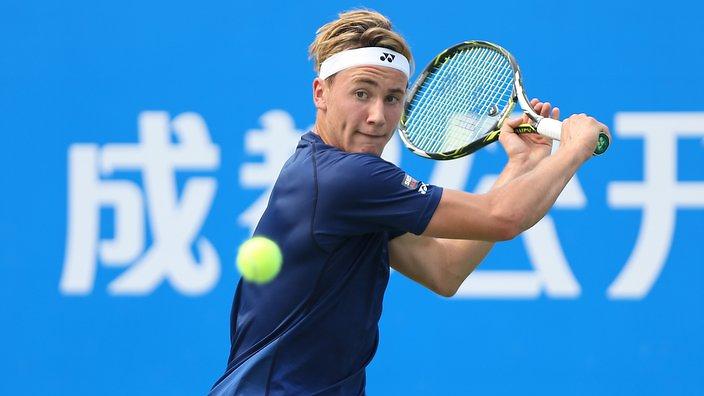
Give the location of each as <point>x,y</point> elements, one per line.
<point>440,101</point>
<point>460,100</point>
<point>441,106</point>
<point>439,81</point>
<point>475,104</point>
<point>465,115</point>
<point>446,138</point>
<point>489,84</point>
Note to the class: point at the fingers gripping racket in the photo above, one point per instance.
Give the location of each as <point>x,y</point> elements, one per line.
<point>459,102</point>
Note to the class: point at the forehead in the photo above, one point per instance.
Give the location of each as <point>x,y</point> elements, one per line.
<point>384,77</point>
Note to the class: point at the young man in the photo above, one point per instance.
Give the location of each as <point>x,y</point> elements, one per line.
<point>341,215</point>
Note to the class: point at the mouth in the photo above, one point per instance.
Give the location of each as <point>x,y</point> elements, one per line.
<point>373,135</point>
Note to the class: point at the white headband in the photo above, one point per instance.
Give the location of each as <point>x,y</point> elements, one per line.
<point>366,56</point>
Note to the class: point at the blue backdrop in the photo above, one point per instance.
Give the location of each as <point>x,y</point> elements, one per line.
<point>138,152</point>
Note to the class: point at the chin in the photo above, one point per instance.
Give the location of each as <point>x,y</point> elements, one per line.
<point>371,146</point>
<point>370,150</point>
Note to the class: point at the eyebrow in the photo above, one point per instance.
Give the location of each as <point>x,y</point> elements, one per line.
<point>366,80</point>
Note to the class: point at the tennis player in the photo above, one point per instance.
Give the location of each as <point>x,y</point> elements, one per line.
<point>342,215</point>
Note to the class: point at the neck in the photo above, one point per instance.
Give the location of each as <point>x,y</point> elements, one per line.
<point>321,128</point>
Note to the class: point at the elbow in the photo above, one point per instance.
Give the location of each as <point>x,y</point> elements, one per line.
<point>448,287</point>
<point>509,231</point>
<point>506,219</point>
<point>446,291</point>
<point>507,226</point>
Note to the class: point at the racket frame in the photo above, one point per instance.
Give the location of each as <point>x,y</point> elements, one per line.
<point>542,125</point>
<point>488,138</point>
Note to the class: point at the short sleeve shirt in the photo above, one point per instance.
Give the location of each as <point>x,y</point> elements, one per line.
<point>314,328</point>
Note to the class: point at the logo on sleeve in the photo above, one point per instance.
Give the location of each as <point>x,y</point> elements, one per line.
<point>423,188</point>
<point>409,182</point>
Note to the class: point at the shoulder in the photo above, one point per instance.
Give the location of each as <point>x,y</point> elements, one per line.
<point>346,170</point>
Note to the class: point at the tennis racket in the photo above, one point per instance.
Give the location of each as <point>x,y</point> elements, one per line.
<point>459,102</point>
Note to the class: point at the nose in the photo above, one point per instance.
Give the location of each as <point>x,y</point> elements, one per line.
<point>376,113</point>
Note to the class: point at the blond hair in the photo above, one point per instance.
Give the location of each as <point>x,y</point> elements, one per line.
<point>355,29</point>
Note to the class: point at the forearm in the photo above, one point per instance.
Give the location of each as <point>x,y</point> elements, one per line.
<point>528,197</point>
<point>462,256</point>
<point>452,245</point>
<point>460,232</point>
<point>528,191</point>
<point>522,195</point>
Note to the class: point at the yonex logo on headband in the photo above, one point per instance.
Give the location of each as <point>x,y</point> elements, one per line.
<point>366,56</point>
<point>387,57</point>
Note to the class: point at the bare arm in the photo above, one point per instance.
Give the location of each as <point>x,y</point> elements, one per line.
<point>506,211</point>
<point>443,264</point>
<point>461,233</point>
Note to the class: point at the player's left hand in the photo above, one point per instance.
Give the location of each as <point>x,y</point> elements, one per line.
<point>528,149</point>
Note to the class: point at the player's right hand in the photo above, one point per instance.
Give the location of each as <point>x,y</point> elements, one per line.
<point>580,132</point>
<point>527,149</point>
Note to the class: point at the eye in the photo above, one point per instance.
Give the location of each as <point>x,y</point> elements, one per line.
<point>361,94</point>
<point>393,99</point>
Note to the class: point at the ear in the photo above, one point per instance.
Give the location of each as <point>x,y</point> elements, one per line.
<point>320,94</point>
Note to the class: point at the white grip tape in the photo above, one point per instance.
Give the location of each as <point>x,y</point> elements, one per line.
<point>550,128</point>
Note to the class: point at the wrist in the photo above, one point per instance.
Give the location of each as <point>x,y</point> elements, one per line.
<point>575,155</point>
<point>518,165</point>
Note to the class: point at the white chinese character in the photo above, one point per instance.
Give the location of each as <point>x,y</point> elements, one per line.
<point>551,270</point>
<point>552,273</point>
<point>275,142</point>
<point>174,221</point>
<point>659,194</point>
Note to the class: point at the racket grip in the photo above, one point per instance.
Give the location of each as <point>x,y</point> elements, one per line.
<point>550,128</point>
<point>553,129</point>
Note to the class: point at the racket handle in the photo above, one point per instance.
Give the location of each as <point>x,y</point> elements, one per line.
<point>553,129</point>
<point>550,128</point>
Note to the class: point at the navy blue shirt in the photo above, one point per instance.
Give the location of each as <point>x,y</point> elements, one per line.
<point>314,328</point>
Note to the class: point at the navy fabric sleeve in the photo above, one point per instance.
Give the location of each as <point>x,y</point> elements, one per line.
<point>395,234</point>
<point>360,193</point>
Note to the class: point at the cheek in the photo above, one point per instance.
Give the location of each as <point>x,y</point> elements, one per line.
<point>394,115</point>
<point>353,112</point>
<point>344,107</point>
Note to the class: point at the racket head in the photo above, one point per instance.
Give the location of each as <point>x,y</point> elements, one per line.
<point>459,101</point>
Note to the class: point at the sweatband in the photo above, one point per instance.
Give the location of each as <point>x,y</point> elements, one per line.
<point>366,56</point>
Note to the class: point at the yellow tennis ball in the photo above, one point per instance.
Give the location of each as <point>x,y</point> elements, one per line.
<point>259,260</point>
